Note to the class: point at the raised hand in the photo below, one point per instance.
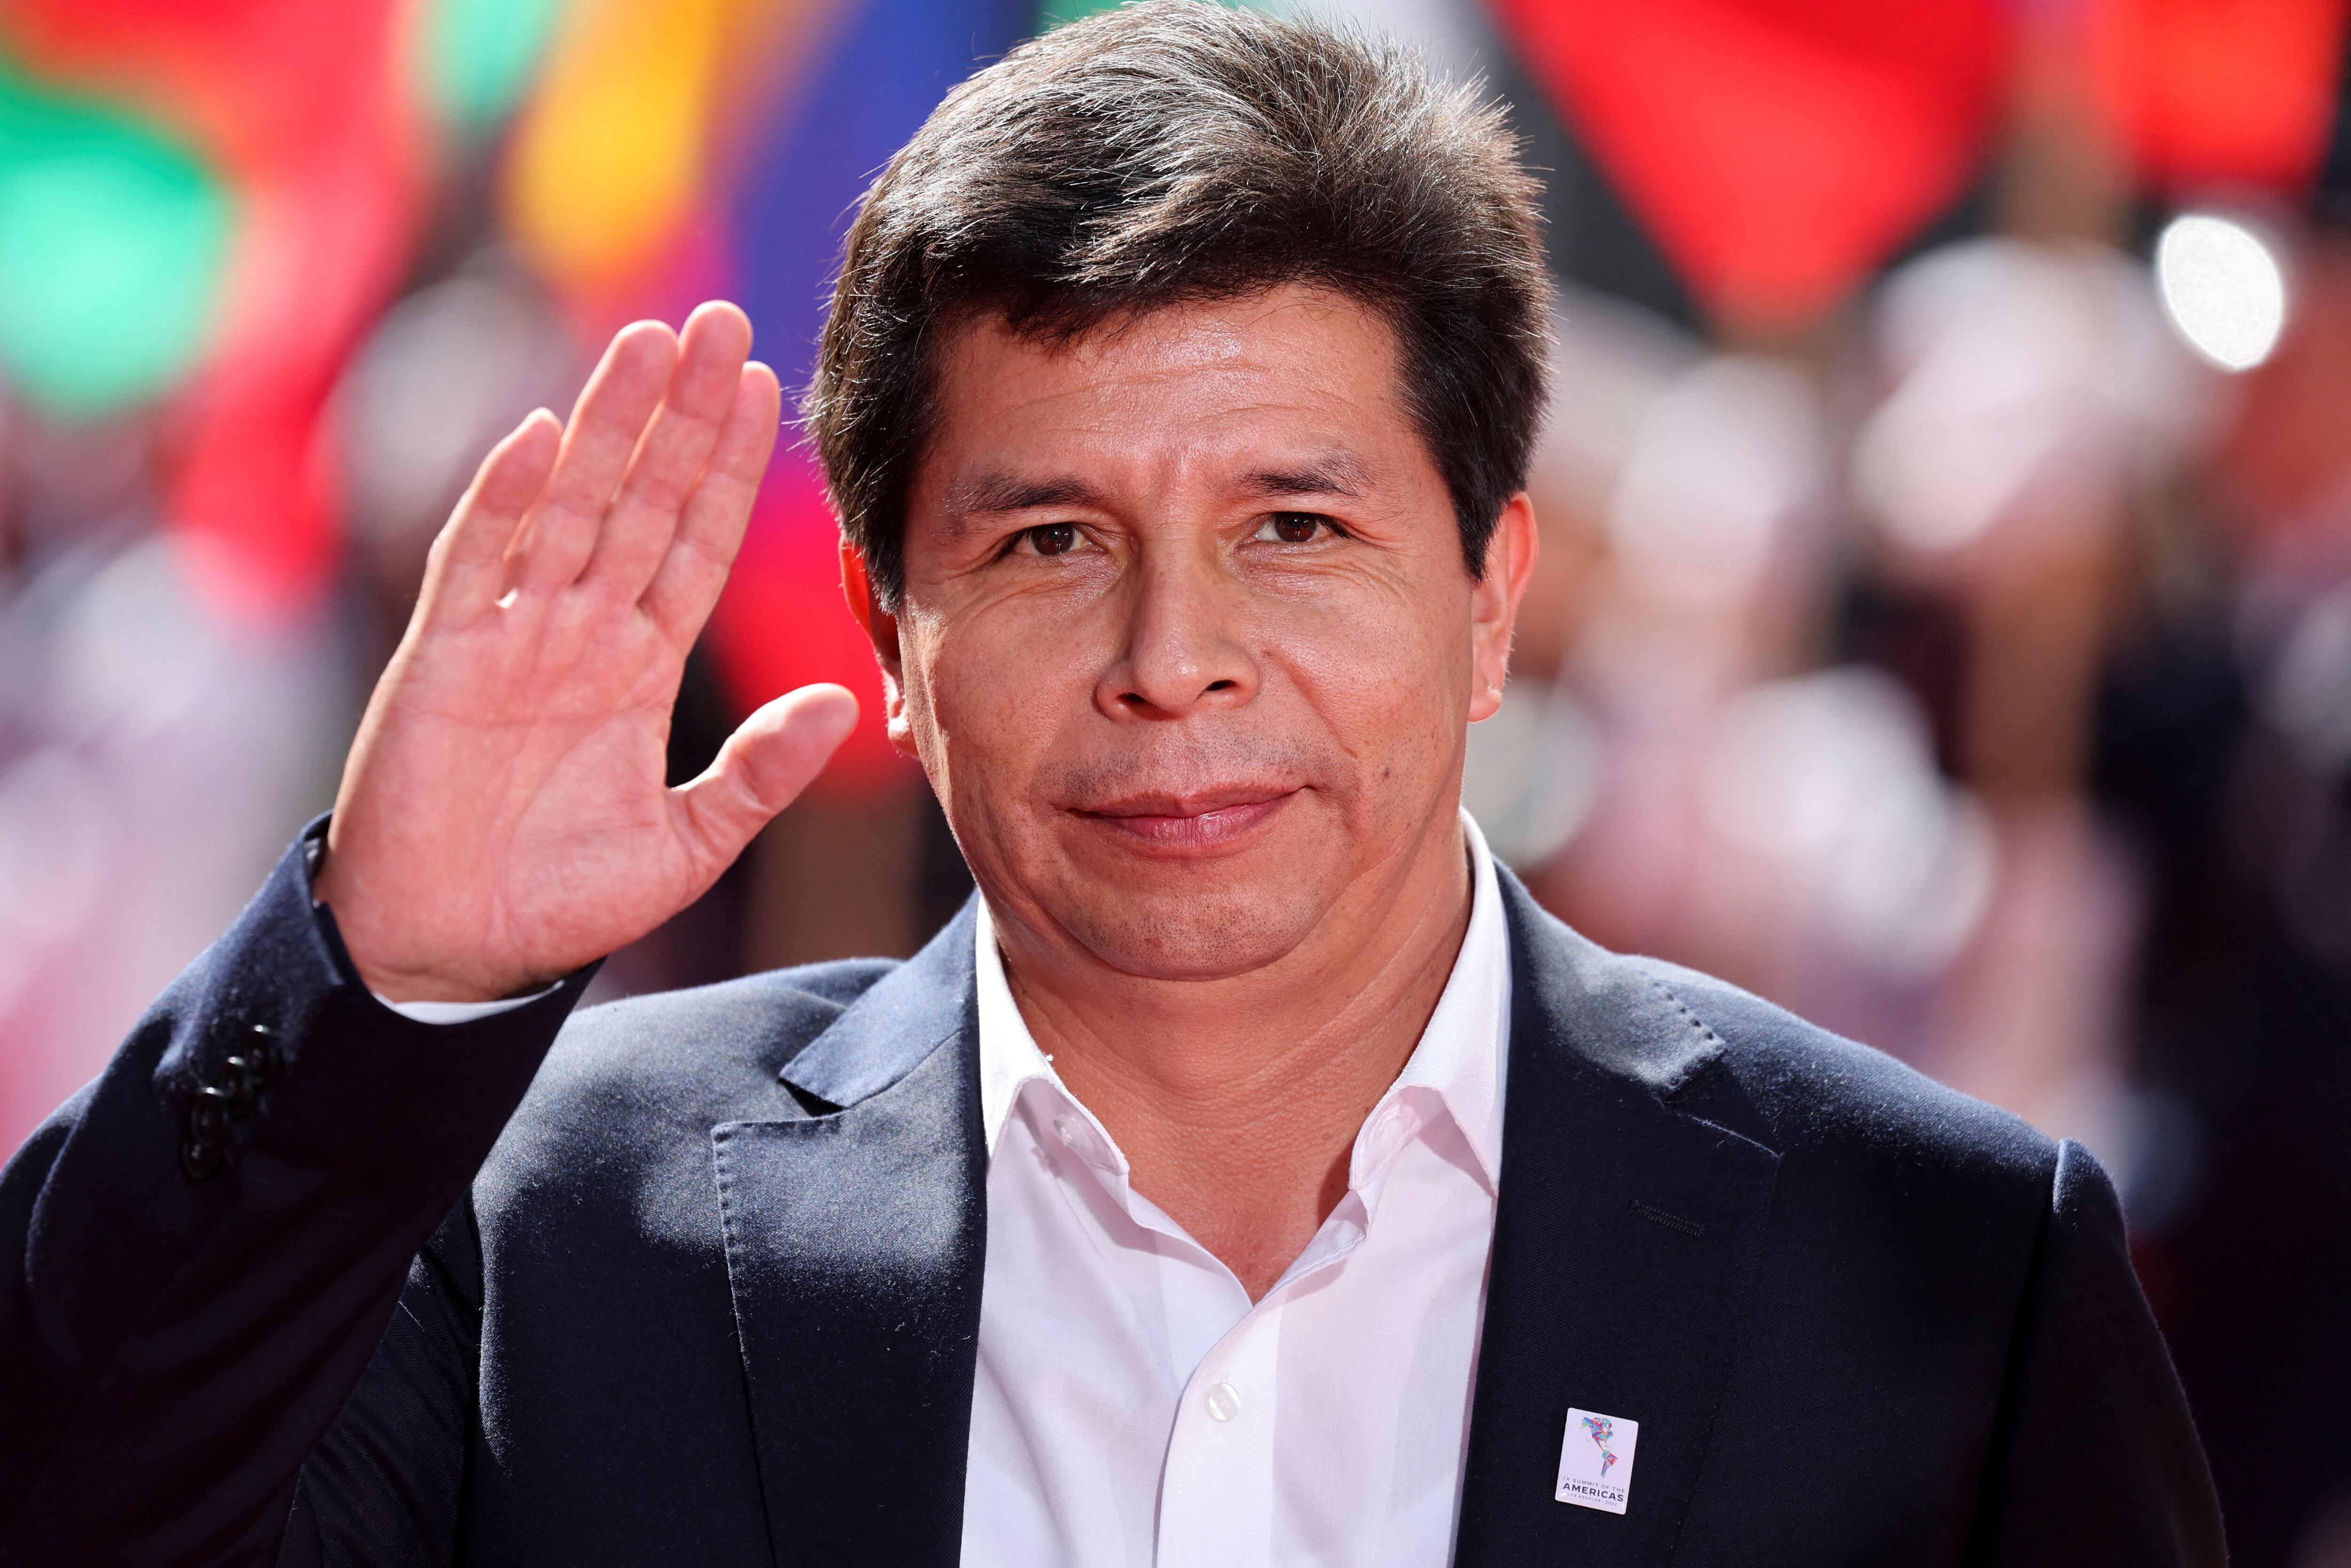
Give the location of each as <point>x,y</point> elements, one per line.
<point>503,817</point>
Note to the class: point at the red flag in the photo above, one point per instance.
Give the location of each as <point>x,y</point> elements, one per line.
<point>1777,150</point>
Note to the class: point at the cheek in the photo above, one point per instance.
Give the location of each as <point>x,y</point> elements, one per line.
<point>997,687</point>
<point>1389,681</point>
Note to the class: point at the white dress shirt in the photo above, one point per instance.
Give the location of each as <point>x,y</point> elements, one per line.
<point>1132,1405</point>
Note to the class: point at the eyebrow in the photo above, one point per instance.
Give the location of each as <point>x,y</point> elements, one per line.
<point>995,493</point>
<point>1337,474</point>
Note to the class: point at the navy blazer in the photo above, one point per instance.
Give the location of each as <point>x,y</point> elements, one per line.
<point>700,1283</point>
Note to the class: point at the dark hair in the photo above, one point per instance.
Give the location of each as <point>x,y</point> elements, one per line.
<point>1171,152</point>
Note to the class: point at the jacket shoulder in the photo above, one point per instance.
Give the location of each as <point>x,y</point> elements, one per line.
<point>1707,1049</point>
<point>1817,1090</point>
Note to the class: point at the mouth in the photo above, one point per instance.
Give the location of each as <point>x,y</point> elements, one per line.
<point>1206,820</point>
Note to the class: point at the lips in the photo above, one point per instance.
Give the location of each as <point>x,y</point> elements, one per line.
<point>1209,820</point>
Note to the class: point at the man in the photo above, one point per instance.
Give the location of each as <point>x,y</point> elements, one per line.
<point>1251,1173</point>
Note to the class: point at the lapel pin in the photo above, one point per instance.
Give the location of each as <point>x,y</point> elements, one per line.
<point>1596,1460</point>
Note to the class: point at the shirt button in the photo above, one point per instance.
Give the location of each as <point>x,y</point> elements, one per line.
<point>1223,1400</point>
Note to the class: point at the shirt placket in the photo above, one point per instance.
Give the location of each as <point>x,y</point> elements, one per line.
<point>1217,1493</point>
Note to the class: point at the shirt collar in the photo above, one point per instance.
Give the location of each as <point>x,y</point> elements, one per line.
<point>1461,1057</point>
<point>1010,1059</point>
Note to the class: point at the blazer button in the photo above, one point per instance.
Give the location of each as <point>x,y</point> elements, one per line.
<point>200,1155</point>
<point>208,1118</point>
<point>200,1162</point>
<point>261,1055</point>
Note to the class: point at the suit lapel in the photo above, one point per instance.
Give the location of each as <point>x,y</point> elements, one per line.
<point>854,1242</point>
<point>1624,1234</point>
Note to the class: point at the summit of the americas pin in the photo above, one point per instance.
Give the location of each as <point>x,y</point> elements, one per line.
<point>1596,1460</point>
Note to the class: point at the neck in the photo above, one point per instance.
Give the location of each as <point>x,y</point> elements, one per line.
<point>1236,1101</point>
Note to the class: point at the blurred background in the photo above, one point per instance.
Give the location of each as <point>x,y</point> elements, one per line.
<point>1944,625</point>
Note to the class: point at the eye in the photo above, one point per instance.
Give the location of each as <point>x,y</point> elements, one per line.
<point>1052,538</point>
<point>1295,527</point>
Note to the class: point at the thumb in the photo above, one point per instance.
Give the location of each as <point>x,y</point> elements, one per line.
<point>760,769</point>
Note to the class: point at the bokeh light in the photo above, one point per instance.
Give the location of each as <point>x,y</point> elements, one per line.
<point>2224,287</point>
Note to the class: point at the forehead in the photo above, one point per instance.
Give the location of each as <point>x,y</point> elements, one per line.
<point>1187,385</point>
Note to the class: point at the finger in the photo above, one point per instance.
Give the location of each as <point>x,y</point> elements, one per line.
<point>669,460</point>
<point>561,532</point>
<point>760,769</point>
<point>710,531</point>
<point>466,571</point>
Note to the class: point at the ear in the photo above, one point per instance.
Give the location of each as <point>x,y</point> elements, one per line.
<point>1494,602</point>
<point>857,588</point>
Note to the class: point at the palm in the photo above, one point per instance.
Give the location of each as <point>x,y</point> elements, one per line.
<point>504,818</point>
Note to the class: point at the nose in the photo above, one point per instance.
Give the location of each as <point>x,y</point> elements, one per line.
<point>1183,654</point>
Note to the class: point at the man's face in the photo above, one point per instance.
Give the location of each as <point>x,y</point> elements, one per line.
<point>1187,645</point>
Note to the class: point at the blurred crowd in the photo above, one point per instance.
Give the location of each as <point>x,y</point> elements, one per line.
<point>1943,626</point>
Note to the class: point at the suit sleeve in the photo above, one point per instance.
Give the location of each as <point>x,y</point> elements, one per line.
<point>208,1242</point>
<point>2094,1459</point>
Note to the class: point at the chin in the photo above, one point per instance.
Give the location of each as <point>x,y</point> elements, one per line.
<point>1194,933</point>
